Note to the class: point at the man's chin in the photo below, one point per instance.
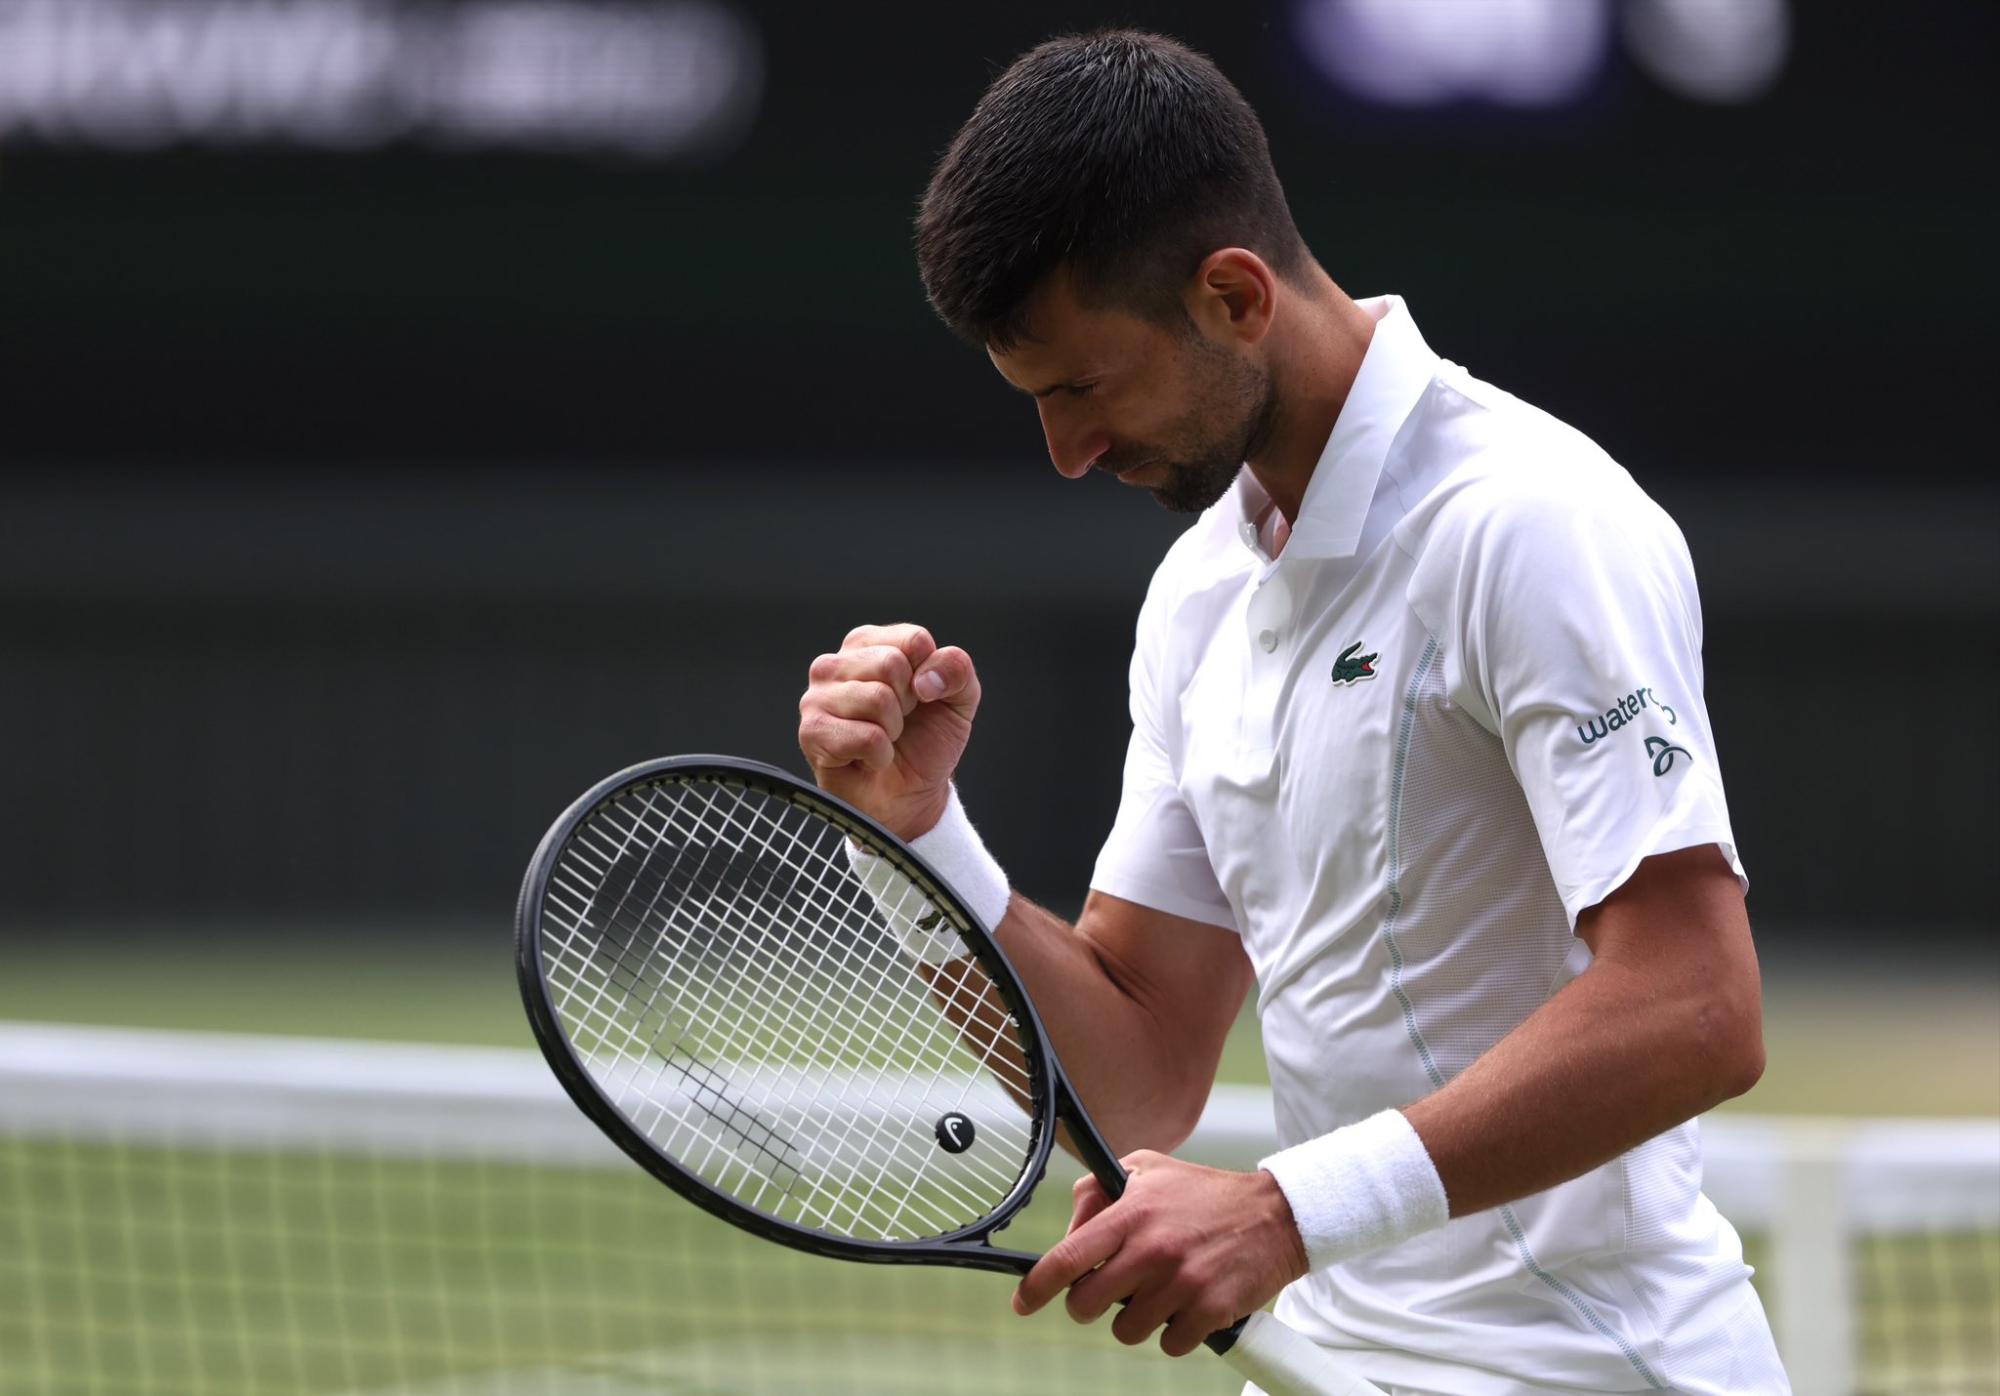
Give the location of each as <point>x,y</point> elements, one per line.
<point>1191,492</point>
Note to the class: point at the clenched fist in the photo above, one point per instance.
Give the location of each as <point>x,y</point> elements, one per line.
<point>884,722</point>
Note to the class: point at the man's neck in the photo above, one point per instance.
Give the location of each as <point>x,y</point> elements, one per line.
<point>1319,351</point>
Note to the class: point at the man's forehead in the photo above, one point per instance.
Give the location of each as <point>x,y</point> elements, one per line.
<point>1035,365</point>
<point>1062,340</point>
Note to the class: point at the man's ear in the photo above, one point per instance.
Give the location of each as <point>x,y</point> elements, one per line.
<point>1233,295</point>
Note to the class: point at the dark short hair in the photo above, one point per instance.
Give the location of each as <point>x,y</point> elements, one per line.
<point>1124,156</point>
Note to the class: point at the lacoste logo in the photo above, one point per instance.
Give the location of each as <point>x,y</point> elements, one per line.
<point>931,920</point>
<point>1349,669</point>
<point>1663,752</point>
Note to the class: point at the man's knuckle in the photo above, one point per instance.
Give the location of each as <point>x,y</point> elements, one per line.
<point>837,697</point>
<point>886,707</point>
<point>893,667</point>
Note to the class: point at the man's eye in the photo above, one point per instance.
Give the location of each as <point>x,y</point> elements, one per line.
<point>1083,390</point>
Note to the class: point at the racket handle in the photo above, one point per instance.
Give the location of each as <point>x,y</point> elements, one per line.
<point>1284,1362</point>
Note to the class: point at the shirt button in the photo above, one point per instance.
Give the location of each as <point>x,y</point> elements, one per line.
<point>1268,639</point>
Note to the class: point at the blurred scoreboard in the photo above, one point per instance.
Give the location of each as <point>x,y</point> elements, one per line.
<point>342,230</point>
<point>668,80</point>
<point>678,78</point>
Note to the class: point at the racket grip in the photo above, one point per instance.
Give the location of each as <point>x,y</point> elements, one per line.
<point>1284,1362</point>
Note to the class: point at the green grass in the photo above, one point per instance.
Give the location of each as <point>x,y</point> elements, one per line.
<point>1838,1044</point>
<point>305,980</point>
<point>1854,1044</point>
<point>133,1269</point>
<point>185,1272</point>
<point>140,1270</point>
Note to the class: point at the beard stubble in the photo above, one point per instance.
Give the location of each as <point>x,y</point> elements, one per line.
<point>1208,444</point>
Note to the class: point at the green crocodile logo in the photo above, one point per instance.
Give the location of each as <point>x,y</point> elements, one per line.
<point>1351,669</point>
<point>931,921</point>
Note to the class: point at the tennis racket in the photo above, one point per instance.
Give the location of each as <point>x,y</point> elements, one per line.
<point>771,1004</point>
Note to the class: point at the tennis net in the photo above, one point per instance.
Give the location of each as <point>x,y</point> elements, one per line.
<point>211,1214</point>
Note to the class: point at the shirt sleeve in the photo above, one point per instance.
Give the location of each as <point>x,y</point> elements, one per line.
<point>1573,632</point>
<point>1155,855</point>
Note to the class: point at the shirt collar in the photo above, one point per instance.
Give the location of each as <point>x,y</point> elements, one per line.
<point>1394,372</point>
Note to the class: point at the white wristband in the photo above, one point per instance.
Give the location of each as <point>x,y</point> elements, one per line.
<point>1366,1185</point>
<point>957,854</point>
<point>954,851</point>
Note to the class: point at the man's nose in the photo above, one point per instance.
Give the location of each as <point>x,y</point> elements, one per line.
<point>1072,449</point>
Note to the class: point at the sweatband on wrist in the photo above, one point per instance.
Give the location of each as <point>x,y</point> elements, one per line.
<point>954,851</point>
<point>1364,1186</point>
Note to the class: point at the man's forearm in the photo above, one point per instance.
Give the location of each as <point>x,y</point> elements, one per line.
<point>1607,1063</point>
<point>1139,1091</point>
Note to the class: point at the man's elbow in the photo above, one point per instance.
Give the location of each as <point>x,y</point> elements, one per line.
<point>1731,1033</point>
<point>1174,1120</point>
<point>1174,1110</point>
<point>1745,1067</point>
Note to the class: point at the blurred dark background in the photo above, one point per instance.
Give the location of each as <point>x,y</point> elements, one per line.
<point>525,390</point>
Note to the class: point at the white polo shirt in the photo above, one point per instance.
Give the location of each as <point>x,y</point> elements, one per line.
<point>1459,708</point>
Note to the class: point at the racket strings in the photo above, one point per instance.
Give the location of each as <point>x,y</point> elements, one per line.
<point>849,898</point>
<point>880,1048</point>
<point>735,990</point>
<point>733,1047</point>
<point>902,1037</point>
<point>834,1217</point>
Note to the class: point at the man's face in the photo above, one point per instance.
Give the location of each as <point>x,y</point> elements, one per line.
<point>1162,407</point>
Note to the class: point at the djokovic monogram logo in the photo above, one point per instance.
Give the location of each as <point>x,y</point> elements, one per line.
<point>1351,667</point>
<point>1663,752</point>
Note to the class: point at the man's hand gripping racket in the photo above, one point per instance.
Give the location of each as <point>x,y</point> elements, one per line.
<point>766,1000</point>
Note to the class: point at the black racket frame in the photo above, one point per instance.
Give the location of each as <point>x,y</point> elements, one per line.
<point>970,1247</point>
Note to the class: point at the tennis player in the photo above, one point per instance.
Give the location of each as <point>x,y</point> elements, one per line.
<point>1418,748</point>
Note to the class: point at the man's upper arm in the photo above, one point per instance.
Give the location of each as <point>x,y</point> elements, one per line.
<point>1688,900</point>
<point>1189,976</point>
<point>1679,925</point>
